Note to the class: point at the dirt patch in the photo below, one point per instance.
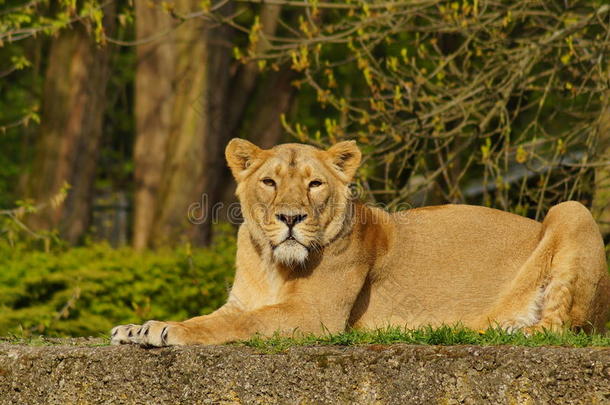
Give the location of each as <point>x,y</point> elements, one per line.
<point>76,373</point>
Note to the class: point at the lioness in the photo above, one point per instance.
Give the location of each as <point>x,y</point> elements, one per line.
<point>311,260</point>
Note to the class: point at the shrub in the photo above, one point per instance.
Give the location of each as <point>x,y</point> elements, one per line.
<point>87,290</point>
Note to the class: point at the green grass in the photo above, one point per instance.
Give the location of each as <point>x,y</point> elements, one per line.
<point>444,335</point>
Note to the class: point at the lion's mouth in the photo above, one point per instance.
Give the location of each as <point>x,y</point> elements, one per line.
<point>290,240</point>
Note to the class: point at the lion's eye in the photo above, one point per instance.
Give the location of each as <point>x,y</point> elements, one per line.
<point>315,183</point>
<point>268,182</point>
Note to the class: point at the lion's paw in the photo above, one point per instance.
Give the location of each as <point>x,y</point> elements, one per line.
<point>152,333</point>
<point>123,334</point>
<point>511,326</point>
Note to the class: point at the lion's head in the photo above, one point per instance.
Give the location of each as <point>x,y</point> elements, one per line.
<point>294,197</point>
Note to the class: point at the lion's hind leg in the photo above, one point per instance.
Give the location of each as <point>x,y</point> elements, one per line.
<point>576,272</point>
<point>564,282</point>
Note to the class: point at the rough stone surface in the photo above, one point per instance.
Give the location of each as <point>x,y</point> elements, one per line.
<point>75,373</point>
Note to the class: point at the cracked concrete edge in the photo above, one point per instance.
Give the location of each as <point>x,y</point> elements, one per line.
<point>76,372</point>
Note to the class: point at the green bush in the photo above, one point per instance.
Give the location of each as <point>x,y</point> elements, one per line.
<point>84,291</point>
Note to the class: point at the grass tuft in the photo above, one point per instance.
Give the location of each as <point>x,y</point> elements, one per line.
<point>443,335</point>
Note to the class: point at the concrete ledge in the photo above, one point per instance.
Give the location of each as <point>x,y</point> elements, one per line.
<point>399,374</point>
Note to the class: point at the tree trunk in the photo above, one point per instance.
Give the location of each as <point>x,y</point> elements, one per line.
<point>257,102</point>
<point>220,131</point>
<point>153,113</point>
<point>601,200</point>
<point>247,74</point>
<point>274,99</point>
<point>70,131</point>
<point>183,173</point>
<point>185,176</point>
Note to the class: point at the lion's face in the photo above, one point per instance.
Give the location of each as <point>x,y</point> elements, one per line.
<point>294,197</point>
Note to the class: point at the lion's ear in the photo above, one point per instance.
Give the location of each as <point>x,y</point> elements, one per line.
<point>240,154</point>
<point>345,157</point>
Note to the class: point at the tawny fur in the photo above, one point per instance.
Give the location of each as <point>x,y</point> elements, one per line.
<point>350,265</point>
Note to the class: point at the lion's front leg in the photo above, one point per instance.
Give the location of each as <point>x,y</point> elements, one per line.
<point>232,325</point>
<point>224,325</point>
<point>151,333</point>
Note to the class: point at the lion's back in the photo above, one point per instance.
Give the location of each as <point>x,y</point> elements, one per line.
<point>465,241</point>
<point>453,225</point>
<point>449,261</point>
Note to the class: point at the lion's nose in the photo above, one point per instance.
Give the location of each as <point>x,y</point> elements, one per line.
<point>291,220</point>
